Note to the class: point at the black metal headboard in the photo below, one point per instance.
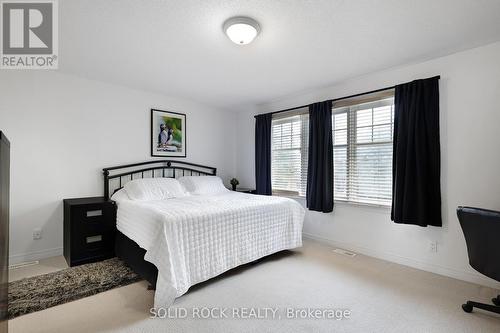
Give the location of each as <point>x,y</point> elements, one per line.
<point>119,175</point>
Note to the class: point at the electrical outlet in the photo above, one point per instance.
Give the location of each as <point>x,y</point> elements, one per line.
<point>37,233</point>
<point>433,246</point>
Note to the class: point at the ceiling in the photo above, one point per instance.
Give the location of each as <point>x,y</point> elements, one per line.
<point>177,47</point>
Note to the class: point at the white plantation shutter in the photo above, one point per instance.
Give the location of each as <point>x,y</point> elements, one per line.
<point>289,154</point>
<point>362,137</point>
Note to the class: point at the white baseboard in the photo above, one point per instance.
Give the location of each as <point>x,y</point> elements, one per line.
<point>433,268</point>
<point>36,255</point>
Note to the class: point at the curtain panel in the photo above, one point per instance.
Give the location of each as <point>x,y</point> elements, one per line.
<point>319,193</point>
<point>263,154</point>
<point>416,192</point>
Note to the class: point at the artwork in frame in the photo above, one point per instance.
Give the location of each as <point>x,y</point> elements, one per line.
<point>168,133</point>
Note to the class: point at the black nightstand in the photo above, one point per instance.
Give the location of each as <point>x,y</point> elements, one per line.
<point>245,190</point>
<point>89,230</point>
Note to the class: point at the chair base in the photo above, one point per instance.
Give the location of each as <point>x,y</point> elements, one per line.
<point>469,306</point>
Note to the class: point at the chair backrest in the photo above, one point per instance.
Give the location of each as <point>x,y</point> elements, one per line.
<point>481,229</point>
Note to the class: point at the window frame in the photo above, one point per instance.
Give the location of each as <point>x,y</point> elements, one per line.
<point>350,109</point>
<point>302,115</point>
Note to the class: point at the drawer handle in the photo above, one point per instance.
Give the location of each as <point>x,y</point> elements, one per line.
<point>92,213</point>
<point>94,239</point>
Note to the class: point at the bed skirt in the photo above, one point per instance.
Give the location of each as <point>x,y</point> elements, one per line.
<point>133,255</point>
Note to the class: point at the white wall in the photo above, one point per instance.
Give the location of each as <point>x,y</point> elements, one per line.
<point>64,130</point>
<point>470,175</point>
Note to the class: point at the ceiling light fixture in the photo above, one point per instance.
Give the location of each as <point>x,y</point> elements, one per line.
<point>241,30</point>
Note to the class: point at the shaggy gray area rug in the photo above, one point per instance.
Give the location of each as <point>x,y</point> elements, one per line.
<point>44,291</point>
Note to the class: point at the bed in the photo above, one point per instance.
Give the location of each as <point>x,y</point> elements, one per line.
<point>200,231</point>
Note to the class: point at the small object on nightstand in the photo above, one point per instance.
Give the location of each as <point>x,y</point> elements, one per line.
<point>89,230</point>
<point>234,183</point>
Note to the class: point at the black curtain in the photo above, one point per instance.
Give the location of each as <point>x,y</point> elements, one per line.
<point>319,194</point>
<point>263,154</point>
<point>416,192</point>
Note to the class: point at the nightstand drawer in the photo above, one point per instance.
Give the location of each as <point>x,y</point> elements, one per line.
<point>92,213</point>
<point>92,244</point>
<point>94,241</point>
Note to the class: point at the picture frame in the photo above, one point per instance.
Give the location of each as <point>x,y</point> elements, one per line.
<point>168,134</point>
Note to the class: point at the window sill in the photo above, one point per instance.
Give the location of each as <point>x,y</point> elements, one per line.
<point>290,196</point>
<point>362,204</point>
<point>338,202</point>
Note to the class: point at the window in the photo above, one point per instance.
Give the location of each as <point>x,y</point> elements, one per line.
<point>362,150</point>
<point>289,154</point>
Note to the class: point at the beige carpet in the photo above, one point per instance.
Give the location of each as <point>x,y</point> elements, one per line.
<point>382,297</point>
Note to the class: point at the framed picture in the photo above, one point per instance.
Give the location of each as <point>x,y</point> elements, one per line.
<point>168,133</point>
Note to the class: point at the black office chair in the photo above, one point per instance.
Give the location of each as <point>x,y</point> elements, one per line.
<point>481,229</point>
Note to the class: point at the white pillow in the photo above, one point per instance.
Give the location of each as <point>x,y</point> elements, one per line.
<point>154,189</point>
<point>202,185</point>
<point>120,195</point>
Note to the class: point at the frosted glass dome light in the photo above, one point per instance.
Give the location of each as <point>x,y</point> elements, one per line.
<point>241,30</point>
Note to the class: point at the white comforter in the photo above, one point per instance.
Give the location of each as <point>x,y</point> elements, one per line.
<point>195,238</point>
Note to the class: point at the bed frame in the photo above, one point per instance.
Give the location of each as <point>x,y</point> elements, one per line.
<point>117,176</point>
